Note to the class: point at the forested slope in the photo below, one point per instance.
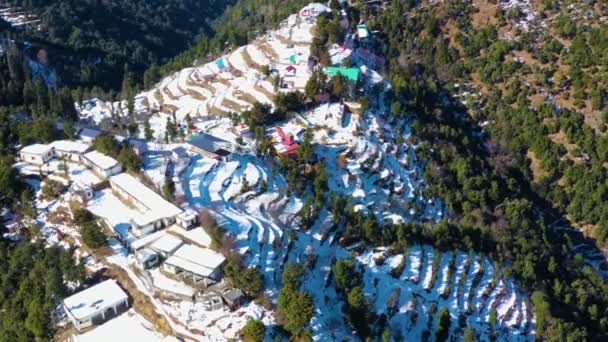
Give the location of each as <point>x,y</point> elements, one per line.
<point>91,43</point>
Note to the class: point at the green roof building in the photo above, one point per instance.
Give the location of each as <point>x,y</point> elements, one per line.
<point>351,74</point>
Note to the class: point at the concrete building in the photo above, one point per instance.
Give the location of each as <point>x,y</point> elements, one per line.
<point>69,150</point>
<point>166,245</point>
<point>187,219</point>
<point>102,165</point>
<point>37,154</point>
<point>156,212</point>
<point>210,146</point>
<point>96,304</point>
<point>200,265</point>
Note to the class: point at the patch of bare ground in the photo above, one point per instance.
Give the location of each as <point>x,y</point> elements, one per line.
<point>246,97</point>
<point>228,103</point>
<point>213,110</point>
<point>573,150</point>
<point>486,14</point>
<point>195,94</point>
<point>264,91</point>
<point>268,50</point>
<point>538,173</point>
<point>249,61</point>
<point>140,301</point>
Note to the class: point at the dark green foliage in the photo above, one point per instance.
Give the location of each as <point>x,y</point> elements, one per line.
<point>253,331</point>
<point>31,285</point>
<point>296,307</point>
<point>443,324</point>
<point>93,43</point>
<point>129,159</point>
<point>9,181</point>
<point>289,102</point>
<point>90,229</point>
<point>106,144</point>
<point>169,189</point>
<point>51,189</point>
<point>248,280</point>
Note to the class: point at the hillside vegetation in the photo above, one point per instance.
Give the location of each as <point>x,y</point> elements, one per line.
<point>91,43</point>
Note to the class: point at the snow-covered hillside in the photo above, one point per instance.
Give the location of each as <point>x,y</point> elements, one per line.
<point>370,157</point>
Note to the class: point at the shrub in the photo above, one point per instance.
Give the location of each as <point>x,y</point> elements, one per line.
<point>253,331</point>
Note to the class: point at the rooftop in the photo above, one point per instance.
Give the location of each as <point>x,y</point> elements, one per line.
<point>157,207</point>
<point>209,143</point>
<point>88,133</point>
<point>168,243</point>
<point>36,149</point>
<point>201,261</point>
<point>187,215</point>
<point>95,299</point>
<point>101,160</point>
<point>351,74</point>
<point>70,146</point>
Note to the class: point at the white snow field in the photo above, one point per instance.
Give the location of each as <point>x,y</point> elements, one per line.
<point>131,323</point>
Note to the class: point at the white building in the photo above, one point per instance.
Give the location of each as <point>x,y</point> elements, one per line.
<point>156,212</point>
<point>201,265</point>
<point>69,150</point>
<point>101,164</point>
<point>187,219</point>
<point>166,245</point>
<point>37,154</point>
<point>96,304</point>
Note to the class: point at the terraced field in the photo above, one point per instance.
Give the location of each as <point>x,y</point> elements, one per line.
<point>409,288</point>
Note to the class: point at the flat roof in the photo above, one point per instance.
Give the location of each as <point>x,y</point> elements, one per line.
<point>187,215</point>
<point>70,146</point>
<point>351,74</point>
<point>101,160</point>
<point>89,133</point>
<point>37,149</point>
<point>147,240</point>
<point>200,261</point>
<point>168,243</point>
<point>157,207</point>
<point>209,143</point>
<point>95,299</point>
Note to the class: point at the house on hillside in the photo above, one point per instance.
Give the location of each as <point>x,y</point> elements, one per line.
<point>210,146</point>
<point>37,154</point>
<point>352,75</point>
<point>199,265</point>
<point>362,31</point>
<point>284,143</point>
<point>96,304</point>
<point>156,212</point>
<point>290,70</point>
<point>69,150</point>
<point>88,135</point>
<point>187,219</point>
<point>102,165</point>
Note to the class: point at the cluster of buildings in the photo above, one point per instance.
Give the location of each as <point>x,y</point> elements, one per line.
<point>147,234</point>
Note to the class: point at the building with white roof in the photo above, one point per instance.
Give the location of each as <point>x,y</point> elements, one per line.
<point>88,135</point>
<point>187,219</point>
<point>37,154</point>
<point>201,265</point>
<point>101,164</point>
<point>166,245</point>
<point>156,212</point>
<point>69,150</point>
<point>96,304</point>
